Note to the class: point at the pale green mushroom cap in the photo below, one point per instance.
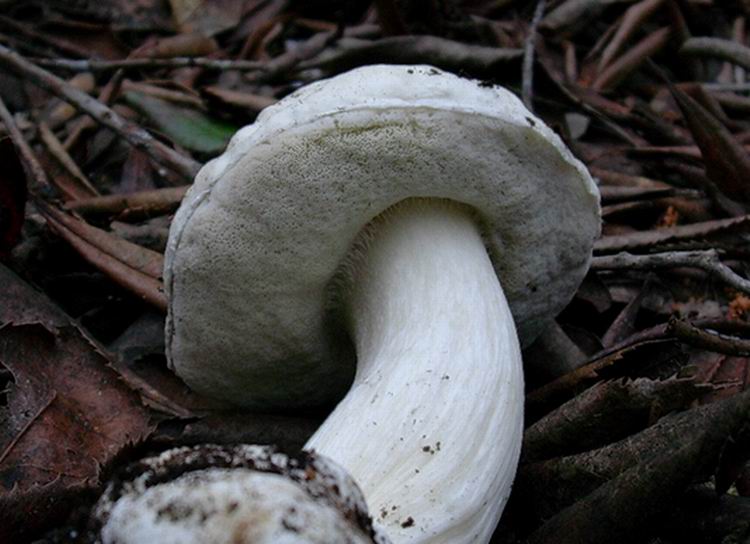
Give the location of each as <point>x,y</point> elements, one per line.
<point>254,247</point>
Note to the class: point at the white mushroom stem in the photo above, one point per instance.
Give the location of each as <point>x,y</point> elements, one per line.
<point>431,428</point>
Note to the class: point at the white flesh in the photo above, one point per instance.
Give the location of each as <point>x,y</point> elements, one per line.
<point>431,429</point>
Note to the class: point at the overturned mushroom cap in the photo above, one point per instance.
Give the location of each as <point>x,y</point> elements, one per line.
<point>238,495</point>
<point>259,238</point>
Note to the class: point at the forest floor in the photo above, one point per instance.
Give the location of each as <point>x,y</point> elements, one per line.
<point>638,410</point>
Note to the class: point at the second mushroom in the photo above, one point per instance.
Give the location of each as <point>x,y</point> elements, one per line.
<point>368,239</point>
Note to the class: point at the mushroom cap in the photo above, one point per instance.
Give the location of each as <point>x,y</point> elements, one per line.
<point>237,494</point>
<point>257,240</point>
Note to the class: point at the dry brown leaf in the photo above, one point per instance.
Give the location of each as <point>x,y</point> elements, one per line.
<point>634,17</point>
<point>68,412</point>
<point>726,161</point>
<point>133,267</point>
<point>621,68</point>
<point>739,306</point>
<point>207,17</point>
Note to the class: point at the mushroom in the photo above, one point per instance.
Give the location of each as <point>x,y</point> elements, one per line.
<point>369,237</point>
<point>237,495</point>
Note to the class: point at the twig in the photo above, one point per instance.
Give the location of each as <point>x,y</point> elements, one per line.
<point>61,45</point>
<point>700,338</point>
<point>153,202</point>
<point>288,61</point>
<point>527,81</point>
<point>574,12</point>
<point>561,482</point>
<point>440,52</point>
<point>642,239</point>
<point>106,95</point>
<point>83,187</point>
<point>143,285</point>
<point>705,260</point>
<point>615,194</point>
<point>38,178</point>
<point>139,259</point>
<point>93,65</point>
<point>604,413</point>
<point>681,151</point>
<point>175,97</point>
<point>249,101</point>
<point>609,177</point>
<point>716,47</point>
<point>135,135</point>
<point>539,400</point>
<point>728,87</point>
<point>135,268</point>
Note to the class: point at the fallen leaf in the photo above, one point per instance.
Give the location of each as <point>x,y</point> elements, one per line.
<point>207,17</point>
<point>726,161</point>
<point>68,412</point>
<point>186,127</point>
<point>625,65</point>
<point>136,268</point>
<point>739,306</point>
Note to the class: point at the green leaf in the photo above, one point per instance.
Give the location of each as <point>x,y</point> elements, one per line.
<point>186,127</point>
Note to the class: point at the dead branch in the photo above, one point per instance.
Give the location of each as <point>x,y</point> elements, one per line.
<point>649,238</point>
<point>135,268</point>
<point>37,177</point>
<point>150,203</point>
<point>106,95</point>
<point>616,194</point>
<point>640,494</point>
<point>95,65</point>
<point>135,135</point>
<point>607,412</point>
<point>707,260</point>
<point>83,186</point>
<point>719,48</point>
<point>572,12</point>
<point>700,338</point>
<point>541,400</point>
<point>701,433</point>
<point>288,61</point>
<point>447,54</point>
<point>527,79</point>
